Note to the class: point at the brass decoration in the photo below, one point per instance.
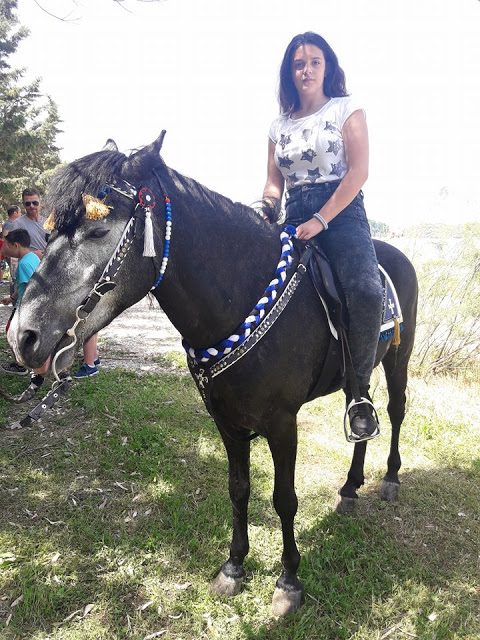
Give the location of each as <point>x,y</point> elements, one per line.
<point>49,224</point>
<point>96,209</point>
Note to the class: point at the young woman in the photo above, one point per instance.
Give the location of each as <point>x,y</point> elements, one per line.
<point>318,149</point>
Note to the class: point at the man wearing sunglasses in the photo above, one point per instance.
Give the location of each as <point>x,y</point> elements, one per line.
<point>32,221</point>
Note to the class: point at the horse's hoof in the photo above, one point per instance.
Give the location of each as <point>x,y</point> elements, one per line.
<point>284,602</point>
<point>389,491</point>
<point>226,586</point>
<point>344,505</point>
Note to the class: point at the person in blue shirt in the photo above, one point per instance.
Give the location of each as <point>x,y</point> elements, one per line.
<point>17,245</point>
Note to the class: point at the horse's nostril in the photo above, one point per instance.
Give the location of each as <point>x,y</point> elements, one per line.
<point>27,342</point>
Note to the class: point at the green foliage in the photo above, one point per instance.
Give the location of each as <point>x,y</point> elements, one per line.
<point>442,232</point>
<point>28,119</point>
<point>448,338</point>
<point>379,229</point>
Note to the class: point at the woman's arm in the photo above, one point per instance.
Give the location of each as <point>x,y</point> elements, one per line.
<point>273,191</point>
<point>355,139</point>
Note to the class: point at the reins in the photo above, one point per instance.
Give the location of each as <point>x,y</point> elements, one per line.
<point>225,354</point>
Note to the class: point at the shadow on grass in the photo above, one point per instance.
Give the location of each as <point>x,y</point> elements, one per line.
<point>121,500</point>
<point>383,570</point>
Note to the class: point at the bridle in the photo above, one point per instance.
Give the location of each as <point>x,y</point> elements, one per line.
<point>139,223</point>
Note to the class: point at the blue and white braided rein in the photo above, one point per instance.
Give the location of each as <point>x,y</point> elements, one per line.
<point>213,354</point>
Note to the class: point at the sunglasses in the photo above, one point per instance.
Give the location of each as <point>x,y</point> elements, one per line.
<point>34,202</point>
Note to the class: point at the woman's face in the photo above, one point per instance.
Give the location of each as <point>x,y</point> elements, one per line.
<point>308,70</point>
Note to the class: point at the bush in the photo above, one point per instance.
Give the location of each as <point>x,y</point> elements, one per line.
<point>448,337</point>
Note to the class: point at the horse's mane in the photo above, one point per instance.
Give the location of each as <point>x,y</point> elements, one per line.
<point>86,175</point>
<point>90,173</point>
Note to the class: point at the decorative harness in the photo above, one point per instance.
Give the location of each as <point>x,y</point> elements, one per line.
<point>225,353</point>
<point>204,364</point>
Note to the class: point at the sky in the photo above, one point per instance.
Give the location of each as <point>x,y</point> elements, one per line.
<point>207,72</point>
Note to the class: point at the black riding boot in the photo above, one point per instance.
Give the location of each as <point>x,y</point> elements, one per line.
<point>363,418</point>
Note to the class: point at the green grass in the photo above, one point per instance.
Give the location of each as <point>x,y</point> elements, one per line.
<point>119,500</point>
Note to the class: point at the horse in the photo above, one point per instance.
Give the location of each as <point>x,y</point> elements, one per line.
<point>217,256</point>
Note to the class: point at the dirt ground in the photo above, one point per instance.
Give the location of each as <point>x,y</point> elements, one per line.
<point>134,341</point>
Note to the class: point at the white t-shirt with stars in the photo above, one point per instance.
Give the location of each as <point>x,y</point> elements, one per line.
<point>310,150</point>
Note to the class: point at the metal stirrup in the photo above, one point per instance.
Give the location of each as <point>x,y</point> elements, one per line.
<point>346,422</point>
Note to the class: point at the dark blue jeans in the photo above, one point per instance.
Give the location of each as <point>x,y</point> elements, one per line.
<point>348,245</point>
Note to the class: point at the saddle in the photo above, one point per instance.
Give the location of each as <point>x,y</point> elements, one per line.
<point>333,301</point>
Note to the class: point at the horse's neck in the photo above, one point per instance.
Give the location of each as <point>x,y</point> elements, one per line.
<point>219,266</point>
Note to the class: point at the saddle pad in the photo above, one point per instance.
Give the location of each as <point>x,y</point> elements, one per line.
<point>392,313</point>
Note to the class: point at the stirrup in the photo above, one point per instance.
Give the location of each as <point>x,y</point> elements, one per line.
<point>346,422</point>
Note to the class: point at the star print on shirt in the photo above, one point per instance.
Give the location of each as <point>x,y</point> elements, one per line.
<point>329,126</point>
<point>309,155</point>
<point>292,179</point>
<point>285,162</point>
<point>338,169</point>
<point>306,134</point>
<point>334,146</point>
<point>313,175</point>
<point>284,140</point>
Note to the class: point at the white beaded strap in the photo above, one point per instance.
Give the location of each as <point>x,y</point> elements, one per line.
<point>321,219</point>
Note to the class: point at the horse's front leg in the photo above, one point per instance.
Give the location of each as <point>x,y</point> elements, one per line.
<point>230,578</point>
<point>283,445</point>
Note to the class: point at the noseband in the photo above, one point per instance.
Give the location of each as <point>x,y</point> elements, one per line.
<point>140,221</point>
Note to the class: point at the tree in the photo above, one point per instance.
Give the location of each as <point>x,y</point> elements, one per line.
<point>72,16</point>
<point>379,229</point>
<point>28,119</point>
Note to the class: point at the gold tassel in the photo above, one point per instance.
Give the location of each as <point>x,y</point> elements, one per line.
<point>49,224</point>
<point>96,209</point>
<point>396,332</point>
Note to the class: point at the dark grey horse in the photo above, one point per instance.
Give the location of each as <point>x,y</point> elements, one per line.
<point>222,255</point>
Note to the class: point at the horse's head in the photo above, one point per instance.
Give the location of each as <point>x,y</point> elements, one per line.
<point>84,239</point>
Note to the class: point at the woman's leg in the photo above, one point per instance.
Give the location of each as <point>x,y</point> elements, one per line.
<point>349,247</point>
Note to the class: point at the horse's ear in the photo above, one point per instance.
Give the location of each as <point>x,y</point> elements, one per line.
<point>110,145</point>
<point>158,144</point>
<point>143,159</point>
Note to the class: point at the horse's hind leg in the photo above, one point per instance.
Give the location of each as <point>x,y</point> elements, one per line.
<point>283,446</point>
<point>396,376</point>
<point>230,578</point>
<point>347,495</point>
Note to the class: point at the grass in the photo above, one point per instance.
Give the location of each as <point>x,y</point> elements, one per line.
<point>115,518</point>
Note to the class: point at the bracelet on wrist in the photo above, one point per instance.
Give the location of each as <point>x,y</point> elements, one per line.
<point>321,219</point>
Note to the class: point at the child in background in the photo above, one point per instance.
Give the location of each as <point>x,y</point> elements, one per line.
<point>17,245</point>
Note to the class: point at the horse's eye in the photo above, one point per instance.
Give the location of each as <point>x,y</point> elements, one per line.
<point>98,232</point>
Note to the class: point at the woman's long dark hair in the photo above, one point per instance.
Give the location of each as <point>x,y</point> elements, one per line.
<point>333,85</point>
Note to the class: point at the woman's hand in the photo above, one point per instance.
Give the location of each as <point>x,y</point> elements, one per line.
<point>309,229</point>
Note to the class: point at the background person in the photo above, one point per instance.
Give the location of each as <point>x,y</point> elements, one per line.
<point>318,148</point>
<point>32,221</point>
<point>13,213</point>
<point>17,245</point>
<point>91,360</point>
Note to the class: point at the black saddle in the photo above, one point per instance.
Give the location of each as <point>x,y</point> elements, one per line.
<point>333,300</point>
